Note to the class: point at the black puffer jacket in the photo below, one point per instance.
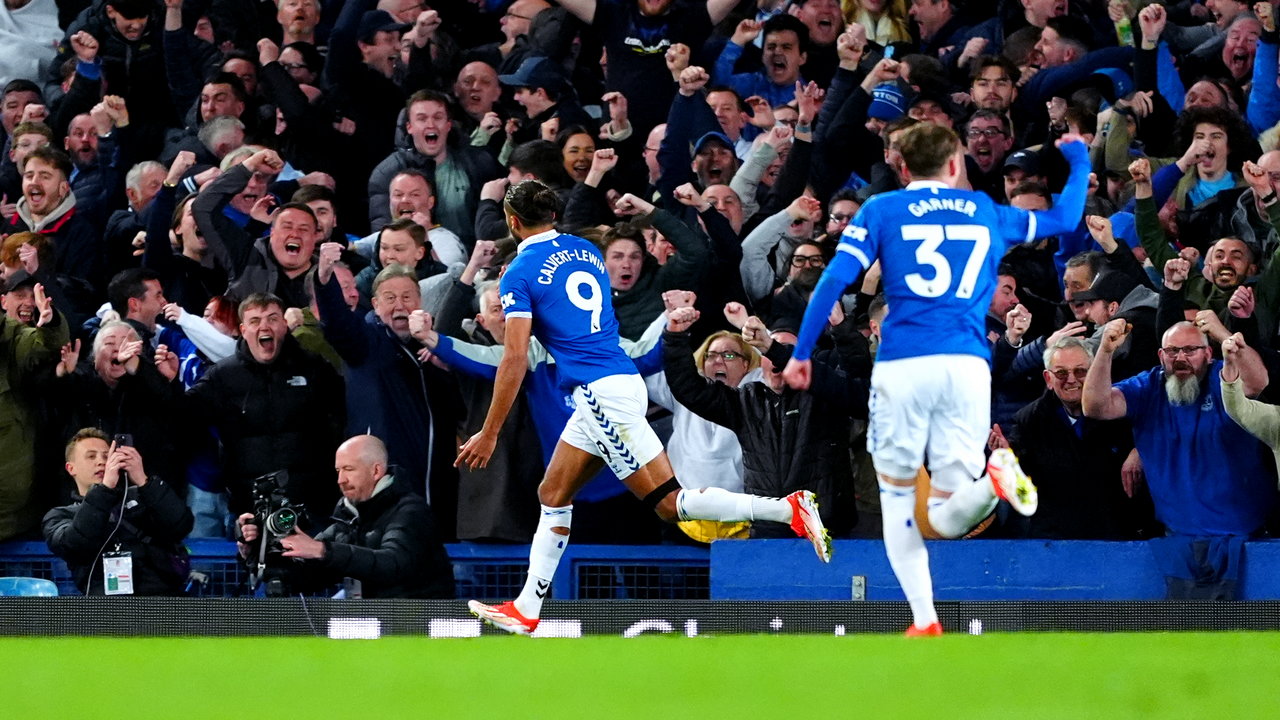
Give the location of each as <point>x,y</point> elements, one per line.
<point>389,544</point>
<point>790,441</point>
<point>132,69</point>
<point>152,533</point>
<point>287,415</point>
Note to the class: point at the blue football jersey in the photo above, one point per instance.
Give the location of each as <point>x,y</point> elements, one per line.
<point>939,249</point>
<point>561,283</point>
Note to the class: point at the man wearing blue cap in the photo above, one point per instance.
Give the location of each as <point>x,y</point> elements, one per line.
<point>888,103</point>
<point>714,160</point>
<point>540,86</point>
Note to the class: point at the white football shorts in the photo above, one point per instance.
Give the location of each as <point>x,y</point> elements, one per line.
<point>609,422</point>
<point>934,406</point>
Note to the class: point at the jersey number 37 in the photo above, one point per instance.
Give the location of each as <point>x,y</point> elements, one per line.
<point>931,239</point>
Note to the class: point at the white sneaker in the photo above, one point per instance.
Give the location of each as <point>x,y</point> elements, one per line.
<point>1012,485</point>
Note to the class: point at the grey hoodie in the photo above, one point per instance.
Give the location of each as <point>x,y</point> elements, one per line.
<point>24,212</point>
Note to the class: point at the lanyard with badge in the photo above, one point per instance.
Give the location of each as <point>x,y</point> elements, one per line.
<point>117,573</point>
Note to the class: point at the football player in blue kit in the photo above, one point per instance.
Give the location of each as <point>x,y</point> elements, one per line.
<point>557,289</point>
<point>938,248</point>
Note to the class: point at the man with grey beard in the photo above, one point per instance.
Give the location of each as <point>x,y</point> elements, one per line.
<point>1207,476</point>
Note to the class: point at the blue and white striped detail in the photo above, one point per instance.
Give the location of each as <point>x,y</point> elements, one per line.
<point>616,449</point>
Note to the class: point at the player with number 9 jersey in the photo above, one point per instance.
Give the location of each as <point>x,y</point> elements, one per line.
<point>557,289</point>
<point>564,278</point>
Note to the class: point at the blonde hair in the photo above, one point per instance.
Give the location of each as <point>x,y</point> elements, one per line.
<point>894,10</point>
<point>748,353</point>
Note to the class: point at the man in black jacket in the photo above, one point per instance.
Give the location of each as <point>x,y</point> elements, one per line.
<point>129,60</point>
<point>382,543</point>
<point>1087,489</point>
<point>276,407</point>
<point>137,554</point>
<point>413,405</point>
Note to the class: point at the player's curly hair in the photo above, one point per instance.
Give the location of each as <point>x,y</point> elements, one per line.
<point>534,203</point>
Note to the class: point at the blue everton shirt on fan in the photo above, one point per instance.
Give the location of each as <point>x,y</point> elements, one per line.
<point>1207,475</point>
<point>561,283</point>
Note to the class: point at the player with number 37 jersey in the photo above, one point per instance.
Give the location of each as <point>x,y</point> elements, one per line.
<point>938,249</point>
<point>564,277</point>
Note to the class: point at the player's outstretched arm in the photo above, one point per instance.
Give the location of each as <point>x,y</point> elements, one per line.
<point>477,450</point>
<point>1067,212</point>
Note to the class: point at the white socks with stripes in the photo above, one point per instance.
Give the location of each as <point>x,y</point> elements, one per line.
<point>544,556</point>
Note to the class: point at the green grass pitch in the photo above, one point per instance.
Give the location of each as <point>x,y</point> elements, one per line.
<point>1174,675</point>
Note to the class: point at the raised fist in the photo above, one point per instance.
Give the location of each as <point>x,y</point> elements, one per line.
<point>85,46</point>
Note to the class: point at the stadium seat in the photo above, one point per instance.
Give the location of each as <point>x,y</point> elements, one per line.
<point>27,587</point>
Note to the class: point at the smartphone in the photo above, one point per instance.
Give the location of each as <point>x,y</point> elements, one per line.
<point>123,440</point>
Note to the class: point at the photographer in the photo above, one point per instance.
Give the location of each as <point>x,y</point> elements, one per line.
<point>139,552</point>
<point>382,543</point>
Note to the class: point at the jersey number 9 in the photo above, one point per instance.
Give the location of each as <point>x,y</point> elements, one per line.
<point>593,303</point>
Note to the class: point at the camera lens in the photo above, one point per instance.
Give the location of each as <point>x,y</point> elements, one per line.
<point>282,521</point>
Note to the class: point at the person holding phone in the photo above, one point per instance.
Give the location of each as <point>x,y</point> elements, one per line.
<point>123,534</point>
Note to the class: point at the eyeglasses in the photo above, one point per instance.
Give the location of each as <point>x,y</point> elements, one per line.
<point>990,133</point>
<point>800,261</point>
<point>839,217</point>
<point>1189,350</point>
<point>1077,373</point>
<point>294,66</point>
<point>517,16</point>
<point>727,355</point>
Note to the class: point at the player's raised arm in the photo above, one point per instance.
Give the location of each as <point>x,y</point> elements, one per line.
<point>477,450</point>
<point>1069,209</point>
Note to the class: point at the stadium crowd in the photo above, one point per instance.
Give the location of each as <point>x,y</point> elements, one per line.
<point>244,232</point>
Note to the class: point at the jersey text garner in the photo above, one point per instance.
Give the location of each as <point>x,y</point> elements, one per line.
<point>546,274</point>
<point>920,208</point>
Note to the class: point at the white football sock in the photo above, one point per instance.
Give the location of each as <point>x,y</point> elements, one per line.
<point>723,506</point>
<point>907,554</point>
<point>544,556</point>
<point>956,515</point>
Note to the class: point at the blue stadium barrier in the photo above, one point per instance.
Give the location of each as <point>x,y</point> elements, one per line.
<point>967,570</point>
<point>492,572</point>
<point>1009,570</point>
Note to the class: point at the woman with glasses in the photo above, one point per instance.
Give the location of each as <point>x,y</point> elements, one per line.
<point>703,453</point>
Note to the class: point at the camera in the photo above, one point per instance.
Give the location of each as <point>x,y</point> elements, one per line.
<point>275,517</point>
